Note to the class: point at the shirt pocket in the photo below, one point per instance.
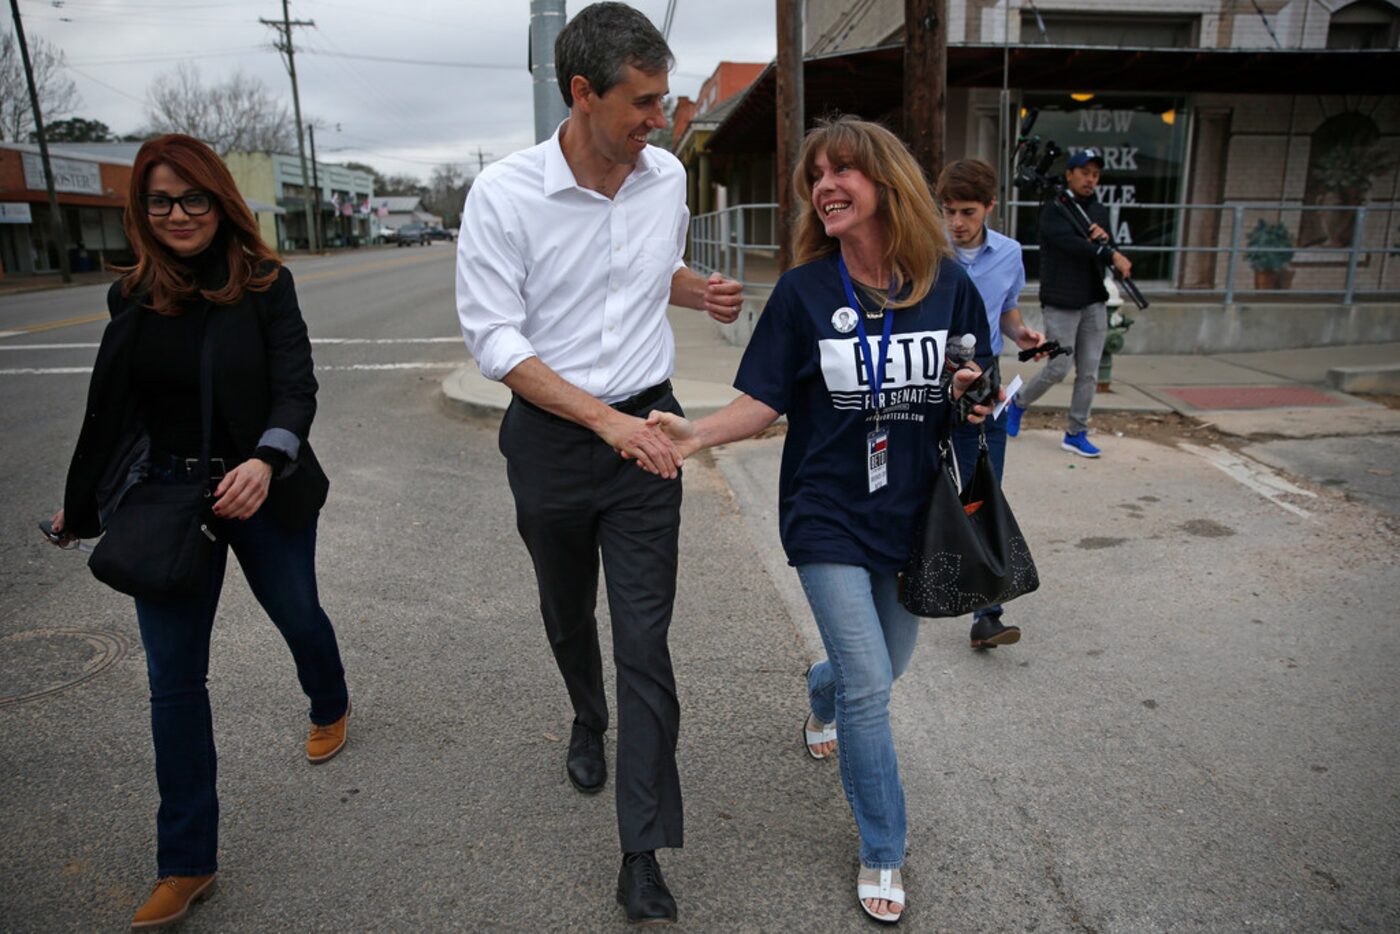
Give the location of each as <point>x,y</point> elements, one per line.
<point>656,262</point>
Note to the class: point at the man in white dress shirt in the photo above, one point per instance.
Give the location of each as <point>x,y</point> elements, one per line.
<point>568,255</point>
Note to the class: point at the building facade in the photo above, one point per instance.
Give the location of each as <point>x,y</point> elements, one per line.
<point>91,182</point>
<point>1237,137</point>
<point>695,120</point>
<point>344,200</point>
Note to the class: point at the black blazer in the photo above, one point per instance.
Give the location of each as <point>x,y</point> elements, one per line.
<point>263,379</point>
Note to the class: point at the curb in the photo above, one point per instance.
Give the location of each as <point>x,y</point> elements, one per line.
<point>1378,380</point>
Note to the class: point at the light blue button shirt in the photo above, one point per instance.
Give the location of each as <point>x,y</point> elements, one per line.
<point>1000,275</point>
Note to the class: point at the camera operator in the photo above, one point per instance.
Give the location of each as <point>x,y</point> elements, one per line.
<point>1072,299</point>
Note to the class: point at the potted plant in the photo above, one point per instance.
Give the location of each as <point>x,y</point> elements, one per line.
<point>1345,173</point>
<point>1270,251</point>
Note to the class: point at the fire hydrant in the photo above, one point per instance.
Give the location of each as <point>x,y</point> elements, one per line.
<point>1118,324</point>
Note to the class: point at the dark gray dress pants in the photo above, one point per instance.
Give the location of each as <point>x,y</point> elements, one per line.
<point>575,499</point>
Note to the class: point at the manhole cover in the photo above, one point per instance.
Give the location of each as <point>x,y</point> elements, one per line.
<point>41,662</point>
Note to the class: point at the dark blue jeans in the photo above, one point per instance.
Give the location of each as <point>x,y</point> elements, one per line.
<point>280,567</point>
<point>967,448</point>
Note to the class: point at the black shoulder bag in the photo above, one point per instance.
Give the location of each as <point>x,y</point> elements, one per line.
<point>970,552</point>
<point>158,543</point>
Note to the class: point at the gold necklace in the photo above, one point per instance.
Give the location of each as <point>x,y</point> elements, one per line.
<point>878,313</point>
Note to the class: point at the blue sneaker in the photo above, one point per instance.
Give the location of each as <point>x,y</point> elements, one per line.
<point>1079,444</point>
<point>1013,419</point>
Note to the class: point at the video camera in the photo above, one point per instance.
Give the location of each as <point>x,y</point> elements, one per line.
<point>1032,178</point>
<point>1031,175</point>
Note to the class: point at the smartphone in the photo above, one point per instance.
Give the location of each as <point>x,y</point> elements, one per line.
<point>46,526</point>
<point>62,541</point>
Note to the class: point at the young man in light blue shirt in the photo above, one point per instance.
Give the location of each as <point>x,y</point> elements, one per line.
<point>966,191</point>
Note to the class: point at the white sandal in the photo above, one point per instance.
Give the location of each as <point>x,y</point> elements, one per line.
<point>827,734</point>
<point>883,884</point>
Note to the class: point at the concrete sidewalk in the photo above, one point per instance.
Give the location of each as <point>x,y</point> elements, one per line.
<point>1292,393</point>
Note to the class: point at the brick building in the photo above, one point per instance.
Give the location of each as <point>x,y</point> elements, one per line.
<point>91,180</point>
<point>695,120</point>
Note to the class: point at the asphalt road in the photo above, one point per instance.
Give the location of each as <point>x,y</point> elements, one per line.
<point>1197,731</point>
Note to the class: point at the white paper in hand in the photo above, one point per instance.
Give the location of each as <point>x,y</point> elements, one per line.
<point>1010,394</point>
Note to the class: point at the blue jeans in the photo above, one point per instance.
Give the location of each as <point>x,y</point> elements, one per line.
<point>967,448</point>
<point>280,567</point>
<point>869,638</point>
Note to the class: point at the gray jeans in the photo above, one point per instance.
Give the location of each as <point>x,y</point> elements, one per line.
<point>1084,329</point>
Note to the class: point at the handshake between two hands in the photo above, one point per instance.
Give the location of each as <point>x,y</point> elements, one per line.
<point>661,442</point>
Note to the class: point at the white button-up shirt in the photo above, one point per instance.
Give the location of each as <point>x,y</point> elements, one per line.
<point>548,269</point>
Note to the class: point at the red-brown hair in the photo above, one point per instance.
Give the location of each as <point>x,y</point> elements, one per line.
<point>158,274</point>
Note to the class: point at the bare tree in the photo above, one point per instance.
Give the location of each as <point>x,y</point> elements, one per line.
<point>58,96</point>
<point>237,115</point>
<point>447,189</point>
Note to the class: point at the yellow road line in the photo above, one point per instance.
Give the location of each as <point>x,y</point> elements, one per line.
<point>309,277</point>
<point>368,267</point>
<point>52,325</point>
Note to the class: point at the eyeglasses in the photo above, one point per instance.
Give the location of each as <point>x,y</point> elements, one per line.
<point>193,203</point>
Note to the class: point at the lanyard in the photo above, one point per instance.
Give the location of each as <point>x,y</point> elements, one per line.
<point>876,374</point>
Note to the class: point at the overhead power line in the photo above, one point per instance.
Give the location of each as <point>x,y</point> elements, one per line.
<point>111,87</point>
<point>518,66</point>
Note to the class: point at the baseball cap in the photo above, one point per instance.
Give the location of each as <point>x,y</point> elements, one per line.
<point>1085,156</point>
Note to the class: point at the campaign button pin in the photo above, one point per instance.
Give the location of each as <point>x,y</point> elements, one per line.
<point>844,320</point>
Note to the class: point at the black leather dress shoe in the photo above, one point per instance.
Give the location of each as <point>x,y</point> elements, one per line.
<point>988,633</point>
<point>588,770</point>
<point>642,890</point>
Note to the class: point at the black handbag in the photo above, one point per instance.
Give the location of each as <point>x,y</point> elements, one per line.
<point>970,552</point>
<point>158,543</point>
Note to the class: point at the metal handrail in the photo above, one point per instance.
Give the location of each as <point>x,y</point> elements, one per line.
<point>718,243</point>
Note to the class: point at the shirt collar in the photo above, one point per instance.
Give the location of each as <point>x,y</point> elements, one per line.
<point>992,242</point>
<point>559,177</point>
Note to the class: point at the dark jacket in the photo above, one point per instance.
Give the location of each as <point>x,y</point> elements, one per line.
<point>1072,267</point>
<point>263,381</point>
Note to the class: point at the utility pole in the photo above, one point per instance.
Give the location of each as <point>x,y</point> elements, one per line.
<point>480,159</point>
<point>926,81</point>
<point>546,21</point>
<point>57,229</point>
<point>316,184</point>
<point>791,118</point>
<point>285,46</point>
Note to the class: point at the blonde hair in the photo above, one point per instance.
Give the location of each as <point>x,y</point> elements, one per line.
<point>915,241</point>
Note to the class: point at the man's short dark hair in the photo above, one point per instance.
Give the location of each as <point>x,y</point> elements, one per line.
<point>967,180</point>
<point>601,40</point>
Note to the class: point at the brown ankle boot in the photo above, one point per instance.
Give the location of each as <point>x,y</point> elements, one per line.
<point>171,899</point>
<point>325,741</point>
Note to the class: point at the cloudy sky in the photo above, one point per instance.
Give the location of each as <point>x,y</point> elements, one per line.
<point>462,85</point>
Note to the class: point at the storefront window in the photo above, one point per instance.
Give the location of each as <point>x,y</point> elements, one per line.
<point>1143,140</point>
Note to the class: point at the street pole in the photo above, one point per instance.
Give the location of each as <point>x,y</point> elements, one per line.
<point>285,24</point>
<point>316,184</point>
<point>57,229</point>
<point>546,21</point>
<point>791,118</point>
<point>925,81</point>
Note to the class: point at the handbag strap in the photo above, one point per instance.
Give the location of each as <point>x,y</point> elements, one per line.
<point>206,392</point>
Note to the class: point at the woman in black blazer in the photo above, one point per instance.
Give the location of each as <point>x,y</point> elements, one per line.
<point>202,265</point>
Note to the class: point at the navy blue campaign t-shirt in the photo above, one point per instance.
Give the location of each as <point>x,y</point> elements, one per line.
<point>800,364</point>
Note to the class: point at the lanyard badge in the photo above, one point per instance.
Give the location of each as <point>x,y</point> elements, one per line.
<point>877,441</point>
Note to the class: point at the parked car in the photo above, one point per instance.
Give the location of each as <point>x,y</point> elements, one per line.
<point>442,233</point>
<point>409,234</point>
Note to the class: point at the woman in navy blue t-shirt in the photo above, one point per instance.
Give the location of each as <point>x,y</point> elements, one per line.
<point>851,348</point>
